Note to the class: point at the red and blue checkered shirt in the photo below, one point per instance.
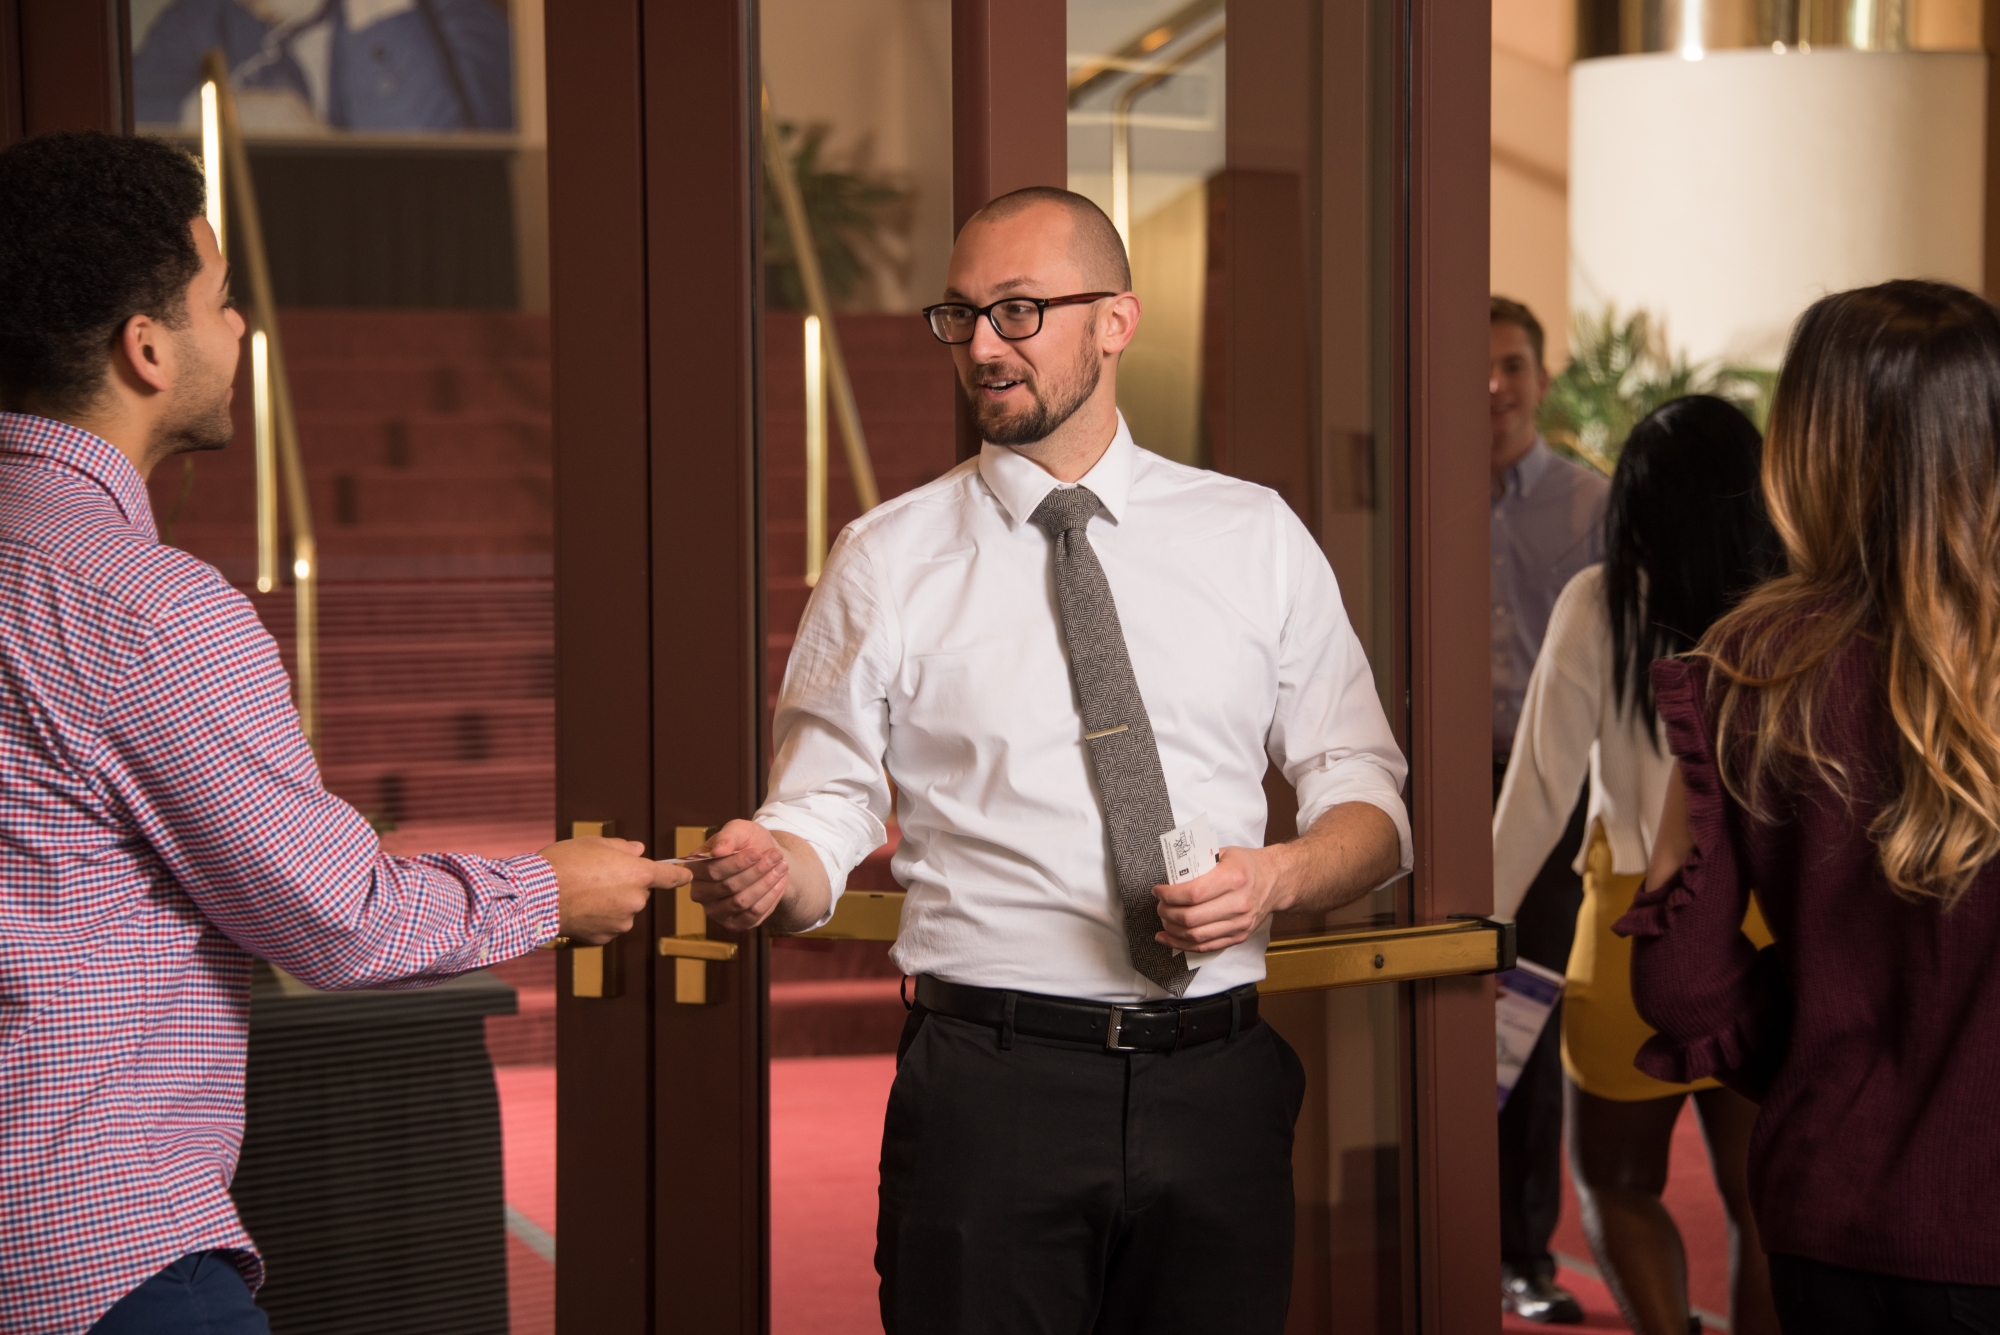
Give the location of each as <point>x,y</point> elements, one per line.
<point>161,821</point>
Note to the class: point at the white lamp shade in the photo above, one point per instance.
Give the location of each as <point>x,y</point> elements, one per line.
<point>1724,194</point>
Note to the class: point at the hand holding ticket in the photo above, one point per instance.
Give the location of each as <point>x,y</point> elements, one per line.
<point>1190,851</point>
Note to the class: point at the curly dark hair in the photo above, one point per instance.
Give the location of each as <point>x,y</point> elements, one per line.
<point>93,230</point>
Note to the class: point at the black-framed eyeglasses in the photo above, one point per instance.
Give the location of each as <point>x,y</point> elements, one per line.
<point>1013,318</point>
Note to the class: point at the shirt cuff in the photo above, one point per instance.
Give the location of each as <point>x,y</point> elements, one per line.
<point>537,908</point>
<point>1389,804</point>
<point>840,850</point>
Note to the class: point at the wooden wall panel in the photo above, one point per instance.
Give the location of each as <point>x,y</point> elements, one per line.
<point>12,109</point>
<point>76,71</point>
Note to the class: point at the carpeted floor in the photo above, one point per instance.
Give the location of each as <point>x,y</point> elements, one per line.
<point>826,1140</point>
<point>1691,1199</point>
<point>826,1121</point>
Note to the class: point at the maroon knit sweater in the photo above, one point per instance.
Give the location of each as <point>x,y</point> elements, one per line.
<point>1870,1032</point>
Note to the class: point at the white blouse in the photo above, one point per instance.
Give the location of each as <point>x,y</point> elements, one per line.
<point>1571,719</point>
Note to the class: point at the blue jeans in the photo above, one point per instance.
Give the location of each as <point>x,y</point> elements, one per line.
<point>201,1294</point>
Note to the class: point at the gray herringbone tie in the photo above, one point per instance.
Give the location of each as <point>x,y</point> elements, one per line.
<point>1130,783</point>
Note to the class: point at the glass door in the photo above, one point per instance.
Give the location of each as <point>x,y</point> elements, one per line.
<point>1304,192</point>
<point>1252,159</point>
<point>1241,150</point>
<point>382,202</point>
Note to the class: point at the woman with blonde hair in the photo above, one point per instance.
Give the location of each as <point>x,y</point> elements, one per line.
<point>1837,739</point>
<point>1685,537</point>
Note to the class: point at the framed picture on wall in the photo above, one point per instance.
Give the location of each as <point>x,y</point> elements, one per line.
<point>335,67</point>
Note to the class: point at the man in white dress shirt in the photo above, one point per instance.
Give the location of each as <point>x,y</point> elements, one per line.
<point>1058,652</point>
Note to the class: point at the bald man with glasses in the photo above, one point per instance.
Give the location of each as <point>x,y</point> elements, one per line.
<point>1060,652</point>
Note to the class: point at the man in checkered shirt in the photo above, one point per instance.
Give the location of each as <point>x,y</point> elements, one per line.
<point>161,816</point>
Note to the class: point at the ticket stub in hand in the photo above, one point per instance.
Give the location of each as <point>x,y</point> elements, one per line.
<point>1189,852</point>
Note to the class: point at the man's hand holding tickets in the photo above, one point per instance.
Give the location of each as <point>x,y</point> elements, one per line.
<point>753,875</point>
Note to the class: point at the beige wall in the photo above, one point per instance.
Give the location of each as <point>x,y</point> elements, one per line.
<point>1159,378</point>
<point>1532,44</point>
<point>879,73</point>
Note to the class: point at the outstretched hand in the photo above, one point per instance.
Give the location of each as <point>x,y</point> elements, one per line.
<point>747,879</point>
<point>603,883</point>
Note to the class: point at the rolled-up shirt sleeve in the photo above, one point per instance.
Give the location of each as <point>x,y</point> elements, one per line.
<point>1328,734</point>
<point>831,732</point>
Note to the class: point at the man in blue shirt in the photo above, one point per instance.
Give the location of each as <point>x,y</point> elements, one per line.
<point>1548,523</point>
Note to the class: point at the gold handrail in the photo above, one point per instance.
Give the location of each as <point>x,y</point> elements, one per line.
<point>786,183</point>
<point>225,160</point>
<point>1296,964</point>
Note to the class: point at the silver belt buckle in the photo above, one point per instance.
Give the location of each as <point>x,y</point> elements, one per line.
<point>1115,1031</point>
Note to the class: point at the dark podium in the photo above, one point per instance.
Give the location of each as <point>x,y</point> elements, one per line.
<point>371,1174</point>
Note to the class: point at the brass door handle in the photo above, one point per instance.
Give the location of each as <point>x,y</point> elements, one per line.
<point>593,970</point>
<point>697,948</point>
<point>689,947</point>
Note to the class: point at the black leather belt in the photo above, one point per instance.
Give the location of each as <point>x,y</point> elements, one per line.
<point>1153,1026</point>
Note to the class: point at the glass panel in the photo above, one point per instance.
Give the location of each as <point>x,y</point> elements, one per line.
<point>861,91</point>
<point>398,1165</point>
<point>1240,150</point>
<point>1147,142</point>
<point>1591,120</point>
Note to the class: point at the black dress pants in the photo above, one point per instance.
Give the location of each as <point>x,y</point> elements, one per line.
<point>1051,1188</point>
<point>1531,1123</point>
<point>1814,1298</point>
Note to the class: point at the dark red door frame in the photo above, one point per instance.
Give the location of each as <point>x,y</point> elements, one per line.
<point>660,1118</point>
<point>1445,69</point>
<point>604,669</point>
<point>64,65</point>
<point>1009,113</point>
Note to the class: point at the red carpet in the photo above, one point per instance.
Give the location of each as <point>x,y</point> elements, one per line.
<point>1692,1200</point>
<point>826,1138</point>
<point>826,1126</point>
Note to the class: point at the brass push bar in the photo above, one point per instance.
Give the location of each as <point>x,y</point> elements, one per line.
<point>1298,964</point>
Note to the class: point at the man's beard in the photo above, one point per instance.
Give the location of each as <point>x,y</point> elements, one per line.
<point>1047,411</point>
<point>198,418</point>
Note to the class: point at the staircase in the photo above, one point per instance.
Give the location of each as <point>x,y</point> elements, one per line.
<point>426,441</point>
<point>426,437</point>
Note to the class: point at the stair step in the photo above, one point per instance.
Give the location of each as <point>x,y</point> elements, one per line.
<point>446,791</point>
<point>508,498</point>
<point>436,670</point>
<point>417,334</point>
<point>394,388</point>
<point>836,1017</point>
<point>464,730</point>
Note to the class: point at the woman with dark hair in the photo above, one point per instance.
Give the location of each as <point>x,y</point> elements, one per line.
<point>1685,537</point>
<point>1838,748</point>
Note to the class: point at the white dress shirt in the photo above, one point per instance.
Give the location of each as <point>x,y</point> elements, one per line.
<point>1571,721</point>
<point>931,654</point>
